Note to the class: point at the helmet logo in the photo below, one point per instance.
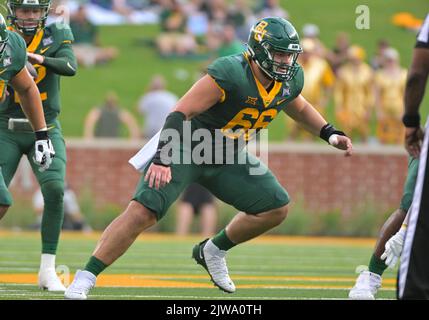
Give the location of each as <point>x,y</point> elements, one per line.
<point>260,31</point>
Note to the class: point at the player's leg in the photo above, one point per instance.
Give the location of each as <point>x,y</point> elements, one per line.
<point>263,205</point>
<point>147,207</point>
<point>51,184</point>
<point>368,282</point>
<point>5,196</point>
<point>10,156</point>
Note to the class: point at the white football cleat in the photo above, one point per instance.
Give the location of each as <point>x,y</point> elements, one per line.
<point>366,287</point>
<point>48,280</point>
<point>213,260</point>
<point>82,283</point>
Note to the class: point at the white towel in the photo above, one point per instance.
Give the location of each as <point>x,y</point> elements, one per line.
<point>142,158</point>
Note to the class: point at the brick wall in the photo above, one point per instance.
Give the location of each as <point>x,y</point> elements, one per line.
<point>317,173</point>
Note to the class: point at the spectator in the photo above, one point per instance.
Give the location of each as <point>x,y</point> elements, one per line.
<point>197,21</point>
<point>73,217</point>
<point>311,31</point>
<point>230,44</point>
<point>196,200</point>
<point>105,121</point>
<point>174,38</point>
<point>87,46</point>
<point>155,105</point>
<point>242,18</point>
<point>114,12</point>
<point>377,61</point>
<point>389,88</point>
<point>318,85</point>
<point>353,94</point>
<point>217,12</point>
<point>339,55</point>
<point>272,8</point>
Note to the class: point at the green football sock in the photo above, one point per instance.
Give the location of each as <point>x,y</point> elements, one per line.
<point>95,266</point>
<point>222,241</point>
<point>53,214</point>
<point>377,265</point>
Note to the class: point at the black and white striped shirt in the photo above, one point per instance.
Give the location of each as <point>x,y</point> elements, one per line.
<point>423,36</point>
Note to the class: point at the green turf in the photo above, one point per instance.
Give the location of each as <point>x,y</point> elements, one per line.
<point>335,264</point>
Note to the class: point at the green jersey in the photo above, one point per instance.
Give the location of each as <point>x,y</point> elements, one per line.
<point>245,103</point>
<point>13,61</point>
<point>53,41</point>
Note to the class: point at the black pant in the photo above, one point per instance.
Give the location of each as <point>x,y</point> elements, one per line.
<point>413,278</point>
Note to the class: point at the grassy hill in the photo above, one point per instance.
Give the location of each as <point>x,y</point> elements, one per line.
<point>130,73</point>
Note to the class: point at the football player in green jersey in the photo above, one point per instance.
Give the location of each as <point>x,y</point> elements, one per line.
<point>14,73</point>
<point>240,94</point>
<point>50,52</point>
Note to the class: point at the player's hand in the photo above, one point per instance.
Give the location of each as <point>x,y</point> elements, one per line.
<point>413,141</point>
<point>43,151</point>
<point>393,249</point>
<point>35,58</point>
<point>158,176</point>
<point>342,143</point>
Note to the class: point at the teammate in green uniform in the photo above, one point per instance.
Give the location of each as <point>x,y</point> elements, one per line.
<point>239,95</point>
<point>50,52</point>
<point>13,73</point>
<point>390,242</point>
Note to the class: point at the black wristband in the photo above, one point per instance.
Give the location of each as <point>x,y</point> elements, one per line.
<point>411,120</point>
<point>328,130</point>
<point>41,135</point>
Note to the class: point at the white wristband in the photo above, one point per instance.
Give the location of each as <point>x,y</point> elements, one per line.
<point>333,139</point>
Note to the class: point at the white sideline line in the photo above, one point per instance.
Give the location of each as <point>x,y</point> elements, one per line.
<point>190,297</point>
<point>258,288</point>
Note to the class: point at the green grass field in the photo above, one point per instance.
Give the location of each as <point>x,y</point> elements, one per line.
<point>159,267</point>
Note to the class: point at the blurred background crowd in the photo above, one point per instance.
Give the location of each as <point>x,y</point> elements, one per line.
<point>362,87</point>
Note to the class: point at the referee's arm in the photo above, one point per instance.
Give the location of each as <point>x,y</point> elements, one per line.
<point>414,91</point>
<point>416,80</point>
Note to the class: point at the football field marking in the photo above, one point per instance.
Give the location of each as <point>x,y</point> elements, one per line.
<point>168,237</point>
<point>178,281</point>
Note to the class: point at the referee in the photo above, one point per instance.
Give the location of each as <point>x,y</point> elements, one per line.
<point>414,269</point>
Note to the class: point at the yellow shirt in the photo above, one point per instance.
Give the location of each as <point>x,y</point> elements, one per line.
<point>318,75</point>
<point>391,92</point>
<point>353,91</point>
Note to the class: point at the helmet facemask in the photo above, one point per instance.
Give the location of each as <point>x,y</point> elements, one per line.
<point>28,27</point>
<point>280,71</point>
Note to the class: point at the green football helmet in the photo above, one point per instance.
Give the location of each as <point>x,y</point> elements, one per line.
<point>4,36</point>
<point>28,27</point>
<point>270,36</point>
